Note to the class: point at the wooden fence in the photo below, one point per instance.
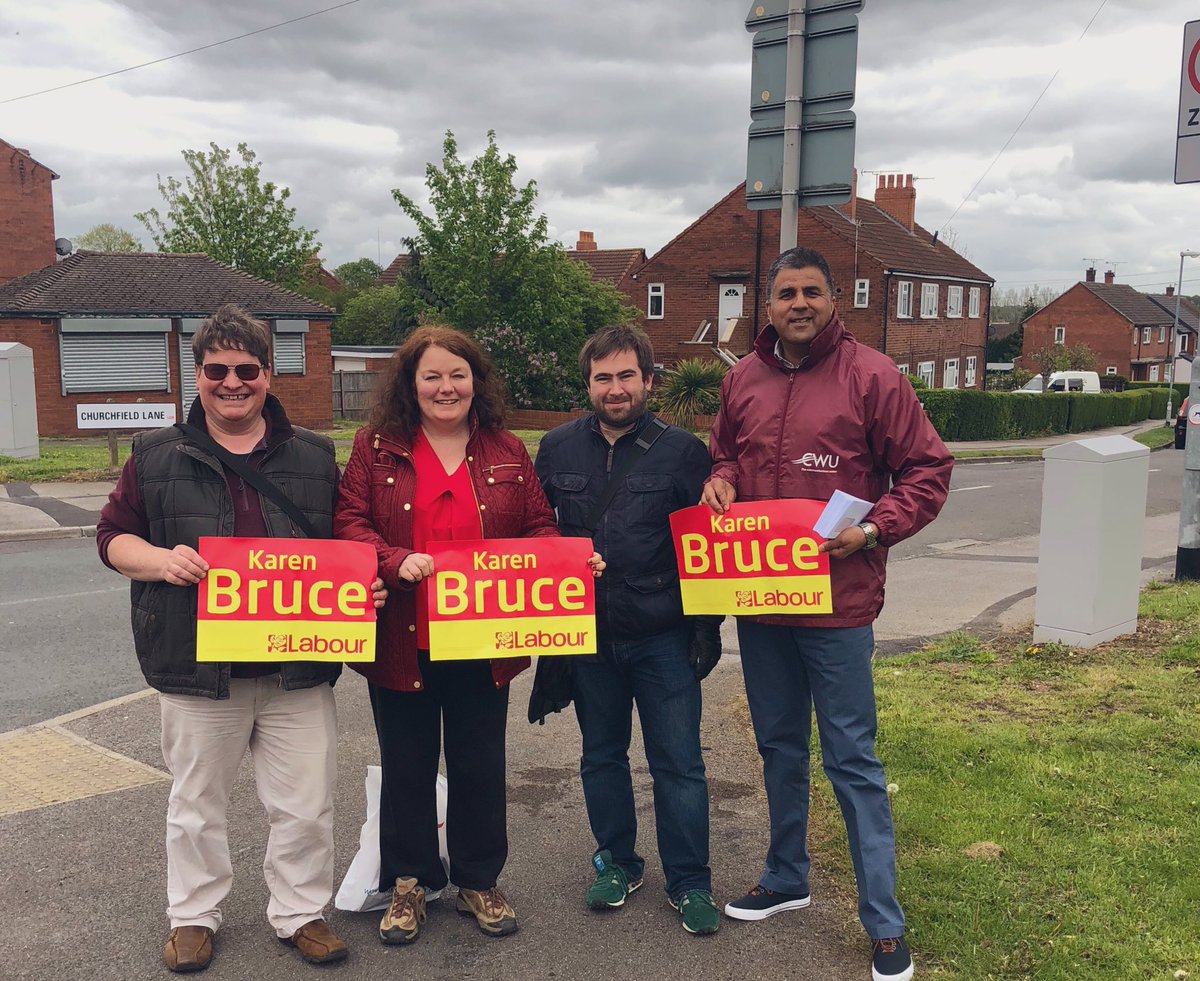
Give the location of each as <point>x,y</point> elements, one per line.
<point>351,393</point>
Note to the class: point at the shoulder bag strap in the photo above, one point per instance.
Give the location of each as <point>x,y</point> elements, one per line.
<point>647,439</point>
<point>260,483</point>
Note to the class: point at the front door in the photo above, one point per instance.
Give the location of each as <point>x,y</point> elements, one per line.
<point>729,310</point>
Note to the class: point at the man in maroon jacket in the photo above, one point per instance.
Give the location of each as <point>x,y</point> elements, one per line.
<point>812,411</point>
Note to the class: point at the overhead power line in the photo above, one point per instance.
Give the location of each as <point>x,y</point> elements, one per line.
<point>159,61</point>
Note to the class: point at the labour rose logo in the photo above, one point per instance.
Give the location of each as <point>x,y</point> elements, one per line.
<point>745,597</point>
<point>276,643</point>
<point>506,639</point>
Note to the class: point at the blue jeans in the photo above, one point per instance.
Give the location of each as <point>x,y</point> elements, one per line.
<point>789,671</point>
<point>653,672</point>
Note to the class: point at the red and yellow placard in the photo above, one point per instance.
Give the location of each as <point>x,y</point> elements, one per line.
<point>757,557</point>
<point>511,597</point>
<point>286,599</point>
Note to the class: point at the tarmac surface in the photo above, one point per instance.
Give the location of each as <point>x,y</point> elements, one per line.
<point>82,800</point>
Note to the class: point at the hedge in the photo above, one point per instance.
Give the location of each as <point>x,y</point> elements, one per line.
<point>967,414</point>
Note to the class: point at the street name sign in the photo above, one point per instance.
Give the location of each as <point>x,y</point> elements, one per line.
<point>1187,142</point>
<point>134,415</point>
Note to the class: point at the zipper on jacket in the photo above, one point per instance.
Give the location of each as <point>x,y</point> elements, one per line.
<point>783,425</point>
<point>500,466</point>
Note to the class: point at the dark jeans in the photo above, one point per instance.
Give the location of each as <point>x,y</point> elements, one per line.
<point>789,671</point>
<point>654,673</point>
<point>461,696</point>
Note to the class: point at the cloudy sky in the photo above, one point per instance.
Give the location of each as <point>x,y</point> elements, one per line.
<point>631,116</point>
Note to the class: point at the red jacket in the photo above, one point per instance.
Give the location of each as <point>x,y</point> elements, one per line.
<point>845,419</point>
<point>375,506</point>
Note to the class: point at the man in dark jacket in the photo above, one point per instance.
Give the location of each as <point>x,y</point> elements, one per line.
<point>173,491</point>
<point>649,654</point>
<point>808,412</point>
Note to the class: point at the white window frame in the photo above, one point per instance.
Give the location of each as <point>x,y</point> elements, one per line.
<point>1111,369</point>
<point>930,293</point>
<point>862,292</point>
<point>954,302</point>
<point>904,300</point>
<point>902,368</point>
<point>948,366</point>
<point>925,371</point>
<point>969,372</point>
<point>973,302</point>
<point>1145,335</point>
<point>1060,334</point>
<point>656,291</point>
<point>1162,334</point>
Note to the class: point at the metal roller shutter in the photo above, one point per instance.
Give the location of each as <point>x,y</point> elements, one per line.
<point>187,363</point>
<point>289,354</point>
<point>114,362</point>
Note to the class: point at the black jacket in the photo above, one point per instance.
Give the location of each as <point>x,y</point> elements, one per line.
<point>639,591</point>
<point>186,496</point>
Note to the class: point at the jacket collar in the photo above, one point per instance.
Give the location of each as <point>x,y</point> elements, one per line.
<point>826,341</point>
<point>634,433</point>
<point>279,428</point>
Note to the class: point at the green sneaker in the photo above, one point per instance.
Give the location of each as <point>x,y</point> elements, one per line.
<point>699,912</point>
<point>612,885</point>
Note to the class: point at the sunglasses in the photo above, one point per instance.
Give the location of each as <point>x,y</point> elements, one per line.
<point>217,372</point>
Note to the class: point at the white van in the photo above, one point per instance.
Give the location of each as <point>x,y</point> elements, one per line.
<point>1074,381</point>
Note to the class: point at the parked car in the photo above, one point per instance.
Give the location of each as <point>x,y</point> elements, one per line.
<point>1181,426</point>
<point>1074,381</point>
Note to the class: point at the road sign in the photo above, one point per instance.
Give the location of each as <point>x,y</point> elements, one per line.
<point>1187,142</point>
<point>826,128</point>
<point>132,415</point>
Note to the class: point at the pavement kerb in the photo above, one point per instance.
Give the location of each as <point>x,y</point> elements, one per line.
<point>45,534</point>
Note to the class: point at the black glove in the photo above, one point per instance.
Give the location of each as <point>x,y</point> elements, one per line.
<point>704,644</point>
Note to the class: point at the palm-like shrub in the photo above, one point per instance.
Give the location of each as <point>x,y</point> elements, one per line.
<point>692,388</point>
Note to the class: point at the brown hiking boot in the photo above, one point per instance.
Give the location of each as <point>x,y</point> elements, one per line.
<point>188,948</point>
<point>402,921</point>
<point>491,910</point>
<point>317,943</point>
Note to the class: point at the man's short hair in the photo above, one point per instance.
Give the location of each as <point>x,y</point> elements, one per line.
<point>798,258</point>
<point>614,339</point>
<point>232,328</point>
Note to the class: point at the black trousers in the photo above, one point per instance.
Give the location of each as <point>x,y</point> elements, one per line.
<point>460,698</point>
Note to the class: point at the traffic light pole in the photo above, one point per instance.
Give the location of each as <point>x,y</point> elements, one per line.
<point>1187,555</point>
<point>789,211</point>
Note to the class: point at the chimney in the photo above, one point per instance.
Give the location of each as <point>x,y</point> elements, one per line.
<point>586,243</point>
<point>1109,277</point>
<point>896,195</point>
<point>1170,291</point>
<point>850,208</point>
<point>1090,274</point>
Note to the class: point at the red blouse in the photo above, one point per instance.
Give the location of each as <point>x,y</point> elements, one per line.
<point>444,510</point>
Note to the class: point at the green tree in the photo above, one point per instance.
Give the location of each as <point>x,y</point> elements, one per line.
<point>377,315</point>
<point>483,261</point>
<point>107,237</point>
<point>359,274</point>
<point>225,209</point>
<point>692,388</point>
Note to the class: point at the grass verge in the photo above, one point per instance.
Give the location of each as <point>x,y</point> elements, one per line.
<point>1048,802</point>
<point>1154,438</point>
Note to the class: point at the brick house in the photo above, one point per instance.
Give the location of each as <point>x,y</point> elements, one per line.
<point>899,289</point>
<point>615,265</point>
<point>1128,330</point>
<point>1186,331</point>
<point>26,213</point>
<point>118,326</point>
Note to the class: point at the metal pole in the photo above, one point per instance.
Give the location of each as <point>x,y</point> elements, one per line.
<point>1174,331</point>
<point>789,209</point>
<point>1187,555</point>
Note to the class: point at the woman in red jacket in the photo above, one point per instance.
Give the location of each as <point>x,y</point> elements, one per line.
<point>435,464</point>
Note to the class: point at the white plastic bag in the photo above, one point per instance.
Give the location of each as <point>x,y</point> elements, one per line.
<point>360,888</point>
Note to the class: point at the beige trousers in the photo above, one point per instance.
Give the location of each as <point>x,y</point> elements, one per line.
<point>292,738</point>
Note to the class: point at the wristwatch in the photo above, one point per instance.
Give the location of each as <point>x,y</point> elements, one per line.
<point>871,530</point>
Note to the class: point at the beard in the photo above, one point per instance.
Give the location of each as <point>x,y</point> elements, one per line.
<point>620,414</point>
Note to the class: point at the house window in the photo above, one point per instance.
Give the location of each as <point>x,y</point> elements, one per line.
<point>1145,335</point>
<point>114,355</point>
<point>862,291</point>
<point>287,355</point>
<point>1162,334</point>
<point>1154,372</point>
<point>950,373</point>
<point>969,376</point>
<point>973,302</point>
<point>902,368</point>
<point>925,372</point>
<point>929,299</point>
<point>1060,334</point>
<point>655,301</point>
<point>953,301</point>
<point>904,301</point>
<point>1111,369</point>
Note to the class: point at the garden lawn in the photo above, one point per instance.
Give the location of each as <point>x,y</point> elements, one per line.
<point>1048,801</point>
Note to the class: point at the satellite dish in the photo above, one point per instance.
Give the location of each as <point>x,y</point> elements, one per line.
<point>63,246</point>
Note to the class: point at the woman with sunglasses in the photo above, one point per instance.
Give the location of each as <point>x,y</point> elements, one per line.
<point>435,464</point>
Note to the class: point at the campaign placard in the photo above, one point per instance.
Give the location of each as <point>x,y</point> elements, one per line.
<point>511,597</point>
<point>757,557</point>
<point>286,599</point>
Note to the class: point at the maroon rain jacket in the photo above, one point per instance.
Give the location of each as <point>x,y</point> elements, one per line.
<point>845,419</point>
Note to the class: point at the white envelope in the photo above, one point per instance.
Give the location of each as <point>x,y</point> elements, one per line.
<point>842,511</point>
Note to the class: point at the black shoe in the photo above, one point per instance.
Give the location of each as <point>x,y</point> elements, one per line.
<point>759,903</point>
<point>891,960</point>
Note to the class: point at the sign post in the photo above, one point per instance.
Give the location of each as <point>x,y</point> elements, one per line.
<point>1187,140</point>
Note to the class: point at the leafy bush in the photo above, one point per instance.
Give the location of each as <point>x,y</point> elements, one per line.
<point>968,414</point>
<point>692,388</point>
<point>536,378</point>
<point>917,382</point>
